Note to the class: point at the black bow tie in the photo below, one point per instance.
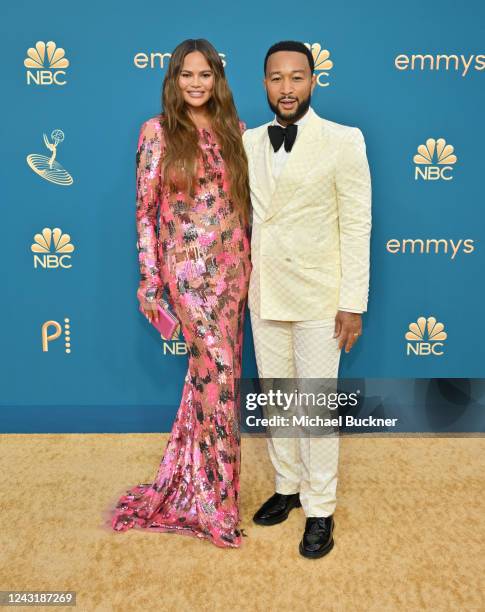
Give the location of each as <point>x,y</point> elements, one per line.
<point>279,135</point>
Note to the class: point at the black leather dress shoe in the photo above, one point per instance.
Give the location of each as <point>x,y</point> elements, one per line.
<point>318,537</point>
<point>276,509</point>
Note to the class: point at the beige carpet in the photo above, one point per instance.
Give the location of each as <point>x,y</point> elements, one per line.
<point>409,530</point>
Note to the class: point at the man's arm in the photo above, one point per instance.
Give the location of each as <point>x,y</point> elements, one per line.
<point>353,185</point>
<point>247,147</point>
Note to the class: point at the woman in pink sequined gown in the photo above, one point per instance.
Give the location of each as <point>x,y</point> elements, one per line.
<point>201,259</point>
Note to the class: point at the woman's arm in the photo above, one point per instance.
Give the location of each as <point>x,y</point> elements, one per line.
<point>147,208</point>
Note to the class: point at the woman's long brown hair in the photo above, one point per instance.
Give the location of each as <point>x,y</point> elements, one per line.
<point>181,135</point>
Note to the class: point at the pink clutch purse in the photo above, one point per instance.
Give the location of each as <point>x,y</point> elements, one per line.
<point>168,325</point>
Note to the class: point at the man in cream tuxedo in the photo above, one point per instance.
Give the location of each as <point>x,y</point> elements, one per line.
<point>311,206</point>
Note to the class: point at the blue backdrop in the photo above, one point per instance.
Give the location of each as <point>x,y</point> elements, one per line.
<point>119,375</point>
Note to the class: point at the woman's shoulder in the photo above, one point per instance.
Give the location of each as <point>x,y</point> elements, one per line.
<point>153,124</point>
<point>152,129</point>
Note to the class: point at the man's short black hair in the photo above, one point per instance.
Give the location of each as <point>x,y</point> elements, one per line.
<point>290,45</point>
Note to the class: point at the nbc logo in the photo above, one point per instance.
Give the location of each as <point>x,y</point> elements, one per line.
<point>51,249</point>
<point>175,345</point>
<point>50,332</point>
<point>425,337</point>
<point>46,64</point>
<point>434,160</point>
<point>322,62</point>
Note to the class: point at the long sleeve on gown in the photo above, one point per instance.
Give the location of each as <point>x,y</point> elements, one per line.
<point>147,209</point>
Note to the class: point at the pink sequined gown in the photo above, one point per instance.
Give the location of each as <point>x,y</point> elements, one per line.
<point>202,259</point>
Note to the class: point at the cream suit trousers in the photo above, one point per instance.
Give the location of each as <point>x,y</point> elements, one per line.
<point>301,349</point>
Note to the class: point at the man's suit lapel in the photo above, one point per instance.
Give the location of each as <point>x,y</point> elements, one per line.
<point>300,161</point>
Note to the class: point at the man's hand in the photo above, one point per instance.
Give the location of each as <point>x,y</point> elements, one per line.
<point>348,327</point>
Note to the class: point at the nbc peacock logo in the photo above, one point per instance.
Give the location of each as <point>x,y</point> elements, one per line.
<point>175,346</point>
<point>425,337</point>
<point>46,64</point>
<point>52,249</point>
<point>323,63</point>
<point>434,160</point>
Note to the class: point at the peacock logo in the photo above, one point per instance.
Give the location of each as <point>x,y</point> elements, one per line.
<point>52,249</point>
<point>175,346</point>
<point>52,330</point>
<point>425,336</point>
<point>46,64</point>
<point>323,63</point>
<point>434,160</point>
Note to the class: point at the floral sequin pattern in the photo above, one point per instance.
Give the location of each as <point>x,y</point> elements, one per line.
<point>198,254</point>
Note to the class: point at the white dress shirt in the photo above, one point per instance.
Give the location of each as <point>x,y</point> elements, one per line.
<point>280,157</point>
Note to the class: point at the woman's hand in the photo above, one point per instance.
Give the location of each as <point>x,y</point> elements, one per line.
<point>150,310</point>
<point>149,306</point>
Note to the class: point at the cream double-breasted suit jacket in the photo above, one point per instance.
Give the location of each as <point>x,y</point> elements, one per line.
<point>311,226</point>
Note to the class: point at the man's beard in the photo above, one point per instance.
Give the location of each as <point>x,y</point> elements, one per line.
<point>301,109</point>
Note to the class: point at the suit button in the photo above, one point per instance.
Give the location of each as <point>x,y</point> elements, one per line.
<point>288,258</point>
